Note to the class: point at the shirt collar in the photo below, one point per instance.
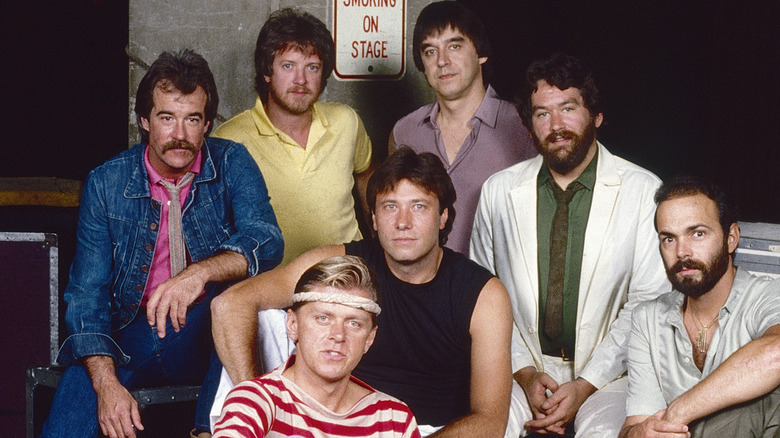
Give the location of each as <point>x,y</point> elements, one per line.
<point>735,296</point>
<point>265,127</point>
<point>487,112</point>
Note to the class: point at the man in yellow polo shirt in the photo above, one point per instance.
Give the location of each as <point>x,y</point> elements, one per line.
<point>307,150</point>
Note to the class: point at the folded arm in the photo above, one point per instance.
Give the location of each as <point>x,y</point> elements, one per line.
<point>234,312</point>
<point>173,297</point>
<point>752,371</point>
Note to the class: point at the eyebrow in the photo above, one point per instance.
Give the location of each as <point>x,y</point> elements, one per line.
<point>455,39</point>
<point>687,230</point>
<point>170,113</point>
<point>568,101</point>
<point>413,201</point>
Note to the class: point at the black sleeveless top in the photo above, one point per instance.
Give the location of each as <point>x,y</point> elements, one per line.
<point>422,351</point>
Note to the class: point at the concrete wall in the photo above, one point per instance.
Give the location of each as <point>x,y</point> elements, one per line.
<point>225,33</point>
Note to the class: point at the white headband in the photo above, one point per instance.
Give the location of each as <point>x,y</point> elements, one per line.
<point>338,298</point>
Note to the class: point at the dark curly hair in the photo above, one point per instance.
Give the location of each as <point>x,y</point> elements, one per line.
<point>562,71</point>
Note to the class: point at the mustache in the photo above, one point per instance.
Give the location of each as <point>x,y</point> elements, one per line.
<point>566,134</point>
<point>687,264</point>
<point>299,90</point>
<point>179,144</point>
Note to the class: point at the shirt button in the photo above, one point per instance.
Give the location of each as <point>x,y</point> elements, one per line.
<point>139,287</point>
<point>145,268</point>
<point>124,320</point>
<point>531,330</point>
<point>153,226</point>
<point>687,360</point>
<point>133,306</point>
<point>148,247</point>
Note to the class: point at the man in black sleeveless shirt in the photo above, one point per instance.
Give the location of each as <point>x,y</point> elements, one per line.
<point>445,326</point>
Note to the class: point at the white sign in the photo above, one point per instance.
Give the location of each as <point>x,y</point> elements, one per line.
<point>369,37</point>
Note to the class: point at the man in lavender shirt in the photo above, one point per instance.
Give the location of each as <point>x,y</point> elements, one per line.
<point>472,131</point>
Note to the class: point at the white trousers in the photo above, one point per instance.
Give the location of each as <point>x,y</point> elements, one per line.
<point>275,347</point>
<point>603,413</point>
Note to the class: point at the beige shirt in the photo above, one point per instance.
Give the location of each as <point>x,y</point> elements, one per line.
<point>660,356</point>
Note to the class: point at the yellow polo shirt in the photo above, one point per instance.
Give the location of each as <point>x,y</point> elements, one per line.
<point>310,189</point>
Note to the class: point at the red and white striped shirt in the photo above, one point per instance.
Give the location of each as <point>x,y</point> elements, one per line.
<point>274,406</point>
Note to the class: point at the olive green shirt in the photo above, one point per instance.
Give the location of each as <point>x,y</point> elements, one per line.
<point>579,208</point>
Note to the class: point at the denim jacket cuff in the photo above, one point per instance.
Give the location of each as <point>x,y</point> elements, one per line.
<point>260,256</point>
<point>81,345</point>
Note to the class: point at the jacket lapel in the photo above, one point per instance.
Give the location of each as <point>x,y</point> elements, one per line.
<point>601,211</point>
<point>523,207</point>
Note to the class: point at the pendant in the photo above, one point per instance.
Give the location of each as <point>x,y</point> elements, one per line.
<point>701,340</point>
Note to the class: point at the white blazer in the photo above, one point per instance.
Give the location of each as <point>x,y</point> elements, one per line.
<point>621,263</point>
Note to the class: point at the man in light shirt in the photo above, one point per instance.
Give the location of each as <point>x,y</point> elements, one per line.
<point>703,359</point>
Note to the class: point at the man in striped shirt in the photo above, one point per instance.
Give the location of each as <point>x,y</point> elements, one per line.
<point>333,323</point>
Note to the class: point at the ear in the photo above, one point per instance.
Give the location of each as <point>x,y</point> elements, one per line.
<point>598,119</point>
<point>206,127</point>
<point>443,219</point>
<point>370,339</point>
<point>482,60</point>
<point>733,238</point>
<point>292,325</point>
<point>267,79</point>
<point>145,123</point>
<point>373,220</point>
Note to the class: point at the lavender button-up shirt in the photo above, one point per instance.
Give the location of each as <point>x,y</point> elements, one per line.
<point>497,140</point>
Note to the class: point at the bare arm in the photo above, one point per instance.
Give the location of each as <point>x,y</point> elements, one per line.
<point>117,409</point>
<point>491,371</point>
<point>643,426</point>
<point>234,312</point>
<point>752,371</point>
<point>173,296</point>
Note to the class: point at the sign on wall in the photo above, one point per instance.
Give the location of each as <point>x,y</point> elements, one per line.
<point>369,37</point>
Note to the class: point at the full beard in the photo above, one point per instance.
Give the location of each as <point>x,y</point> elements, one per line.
<point>579,148</point>
<point>710,274</point>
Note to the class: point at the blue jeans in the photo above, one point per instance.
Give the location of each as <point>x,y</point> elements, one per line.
<point>184,358</point>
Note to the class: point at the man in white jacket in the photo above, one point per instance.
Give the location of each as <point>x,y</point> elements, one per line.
<point>570,233</point>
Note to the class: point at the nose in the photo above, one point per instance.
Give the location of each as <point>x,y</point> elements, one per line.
<point>179,131</point>
<point>683,249</point>
<point>403,220</point>
<point>337,332</point>
<point>442,59</point>
<point>556,121</point>
<point>299,77</point>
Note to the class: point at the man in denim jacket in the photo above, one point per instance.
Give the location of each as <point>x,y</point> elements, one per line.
<point>135,318</point>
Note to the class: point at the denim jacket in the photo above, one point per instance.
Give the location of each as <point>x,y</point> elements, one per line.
<point>227,209</point>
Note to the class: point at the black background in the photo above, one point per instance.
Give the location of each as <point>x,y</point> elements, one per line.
<point>688,86</point>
